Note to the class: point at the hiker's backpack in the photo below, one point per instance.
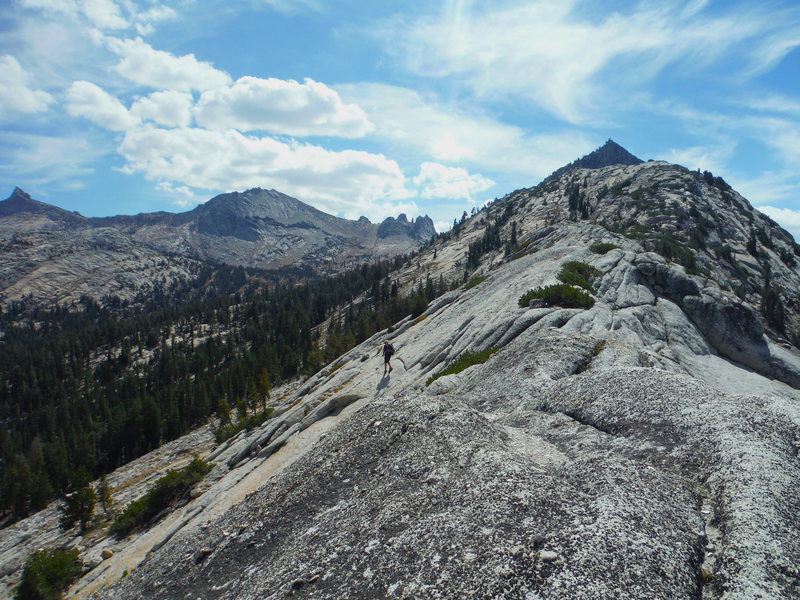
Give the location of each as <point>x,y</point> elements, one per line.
<point>388,350</point>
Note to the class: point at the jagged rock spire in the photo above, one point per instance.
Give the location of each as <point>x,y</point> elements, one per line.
<point>608,154</point>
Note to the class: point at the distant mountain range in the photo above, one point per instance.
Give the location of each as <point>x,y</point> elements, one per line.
<point>52,255</point>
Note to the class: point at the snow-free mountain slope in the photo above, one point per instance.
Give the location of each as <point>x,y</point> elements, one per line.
<point>643,447</point>
<point>51,256</point>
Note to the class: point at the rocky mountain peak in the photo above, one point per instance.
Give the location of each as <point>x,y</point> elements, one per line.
<point>20,202</point>
<point>122,255</point>
<point>20,193</point>
<point>606,155</point>
<point>421,229</point>
<point>257,203</point>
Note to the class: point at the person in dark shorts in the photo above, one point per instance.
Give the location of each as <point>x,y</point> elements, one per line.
<point>388,350</point>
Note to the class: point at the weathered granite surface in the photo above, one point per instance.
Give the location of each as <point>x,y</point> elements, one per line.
<point>643,448</point>
<point>615,452</point>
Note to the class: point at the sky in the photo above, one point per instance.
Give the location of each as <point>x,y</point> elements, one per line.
<point>372,108</point>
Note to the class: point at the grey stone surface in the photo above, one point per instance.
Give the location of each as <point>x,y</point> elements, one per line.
<point>643,448</point>
<point>590,457</point>
<point>438,501</point>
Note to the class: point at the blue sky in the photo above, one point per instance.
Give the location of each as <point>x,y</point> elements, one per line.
<point>375,108</point>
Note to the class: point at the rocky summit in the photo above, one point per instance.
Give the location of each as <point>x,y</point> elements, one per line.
<point>607,408</point>
<point>52,256</point>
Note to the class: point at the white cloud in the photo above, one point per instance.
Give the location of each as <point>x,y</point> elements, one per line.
<point>558,57</point>
<point>776,45</point>
<point>350,182</point>
<point>786,217</point>
<point>15,91</point>
<point>144,65</point>
<point>770,188</point>
<point>46,162</point>
<point>182,195</point>
<point>281,106</point>
<point>782,135</point>
<point>104,14</point>
<point>170,108</point>
<point>453,134</point>
<point>145,21</point>
<point>774,103</point>
<point>55,47</point>
<point>68,7</point>
<point>85,99</point>
<point>440,181</point>
<point>292,6</point>
<point>442,226</point>
<point>782,215</point>
<point>705,158</point>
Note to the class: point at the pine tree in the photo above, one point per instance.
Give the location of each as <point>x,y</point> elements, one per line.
<point>104,495</point>
<point>223,410</point>
<point>78,505</point>
<point>17,483</point>
<point>752,247</point>
<point>263,387</point>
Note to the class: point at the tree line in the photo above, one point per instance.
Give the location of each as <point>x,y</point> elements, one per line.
<point>95,388</point>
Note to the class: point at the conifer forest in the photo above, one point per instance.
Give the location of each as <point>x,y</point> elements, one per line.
<point>97,387</point>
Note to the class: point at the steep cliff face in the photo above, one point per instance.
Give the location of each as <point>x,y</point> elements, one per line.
<point>421,229</point>
<point>641,446</point>
<point>54,256</point>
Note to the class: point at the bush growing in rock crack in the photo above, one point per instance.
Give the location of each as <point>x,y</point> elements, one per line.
<point>603,247</point>
<point>474,281</point>
<point>227,431</point>
<point>576,273</point>
<point>170,488</point>
<point>48,573</point>
<point>464,360</point>
<point>559,294</point>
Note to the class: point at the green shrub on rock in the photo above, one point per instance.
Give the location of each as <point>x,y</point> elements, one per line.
<point>559,294</point>
<point>474,281</point>
<point>227,431</point>
<point>48,573</point>
<point>576,273</point>
<point>167,490</point>
<point>603,247</point>
<point>464,360</point>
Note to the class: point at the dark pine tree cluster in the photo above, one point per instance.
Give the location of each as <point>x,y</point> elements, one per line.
<point>95,388</point>
<point>491,238</point>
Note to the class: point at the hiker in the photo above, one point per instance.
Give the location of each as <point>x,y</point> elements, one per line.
<point>388,350</point>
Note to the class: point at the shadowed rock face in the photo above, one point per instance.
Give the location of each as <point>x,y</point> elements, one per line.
<point>422,229</point>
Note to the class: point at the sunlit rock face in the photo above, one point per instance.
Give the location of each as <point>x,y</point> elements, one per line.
<point>643,447</point>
